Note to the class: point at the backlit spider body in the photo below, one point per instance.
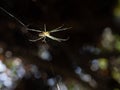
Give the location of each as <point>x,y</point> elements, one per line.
<point>42,34</point>
<point>46,34</point>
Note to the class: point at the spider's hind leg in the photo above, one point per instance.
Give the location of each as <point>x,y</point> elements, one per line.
<point>36,39</point>
<point>44,40</point>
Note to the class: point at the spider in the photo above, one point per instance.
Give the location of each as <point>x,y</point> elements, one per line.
<point>42,34</point>
<point>46,34</point>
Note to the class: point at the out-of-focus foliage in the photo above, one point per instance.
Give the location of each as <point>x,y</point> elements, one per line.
<point>100,63</point>
<point>110,41</point>
<point>117,10</point>
<point>116,69</point>
<point>13,69</point>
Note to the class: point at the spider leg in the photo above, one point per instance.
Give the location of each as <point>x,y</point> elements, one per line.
<point>36,39</point>
<point>27,25</point>
<point>44,40</point>
<point>33,30</point>
<point>45,27</point>
<point>57,39</point>
<point>58,29</point>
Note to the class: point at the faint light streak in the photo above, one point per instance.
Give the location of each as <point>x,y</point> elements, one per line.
<point>62,86</point>
<point>58,87</point>
<point>56,83</point>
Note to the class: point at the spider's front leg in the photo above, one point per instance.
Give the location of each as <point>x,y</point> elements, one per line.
<point>35,30</point>
<point>59,29</point>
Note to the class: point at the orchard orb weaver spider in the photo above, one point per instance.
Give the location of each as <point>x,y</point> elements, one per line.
<point>46,34</point>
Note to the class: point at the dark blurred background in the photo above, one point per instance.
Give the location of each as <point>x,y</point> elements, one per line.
<point>89,60</point>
